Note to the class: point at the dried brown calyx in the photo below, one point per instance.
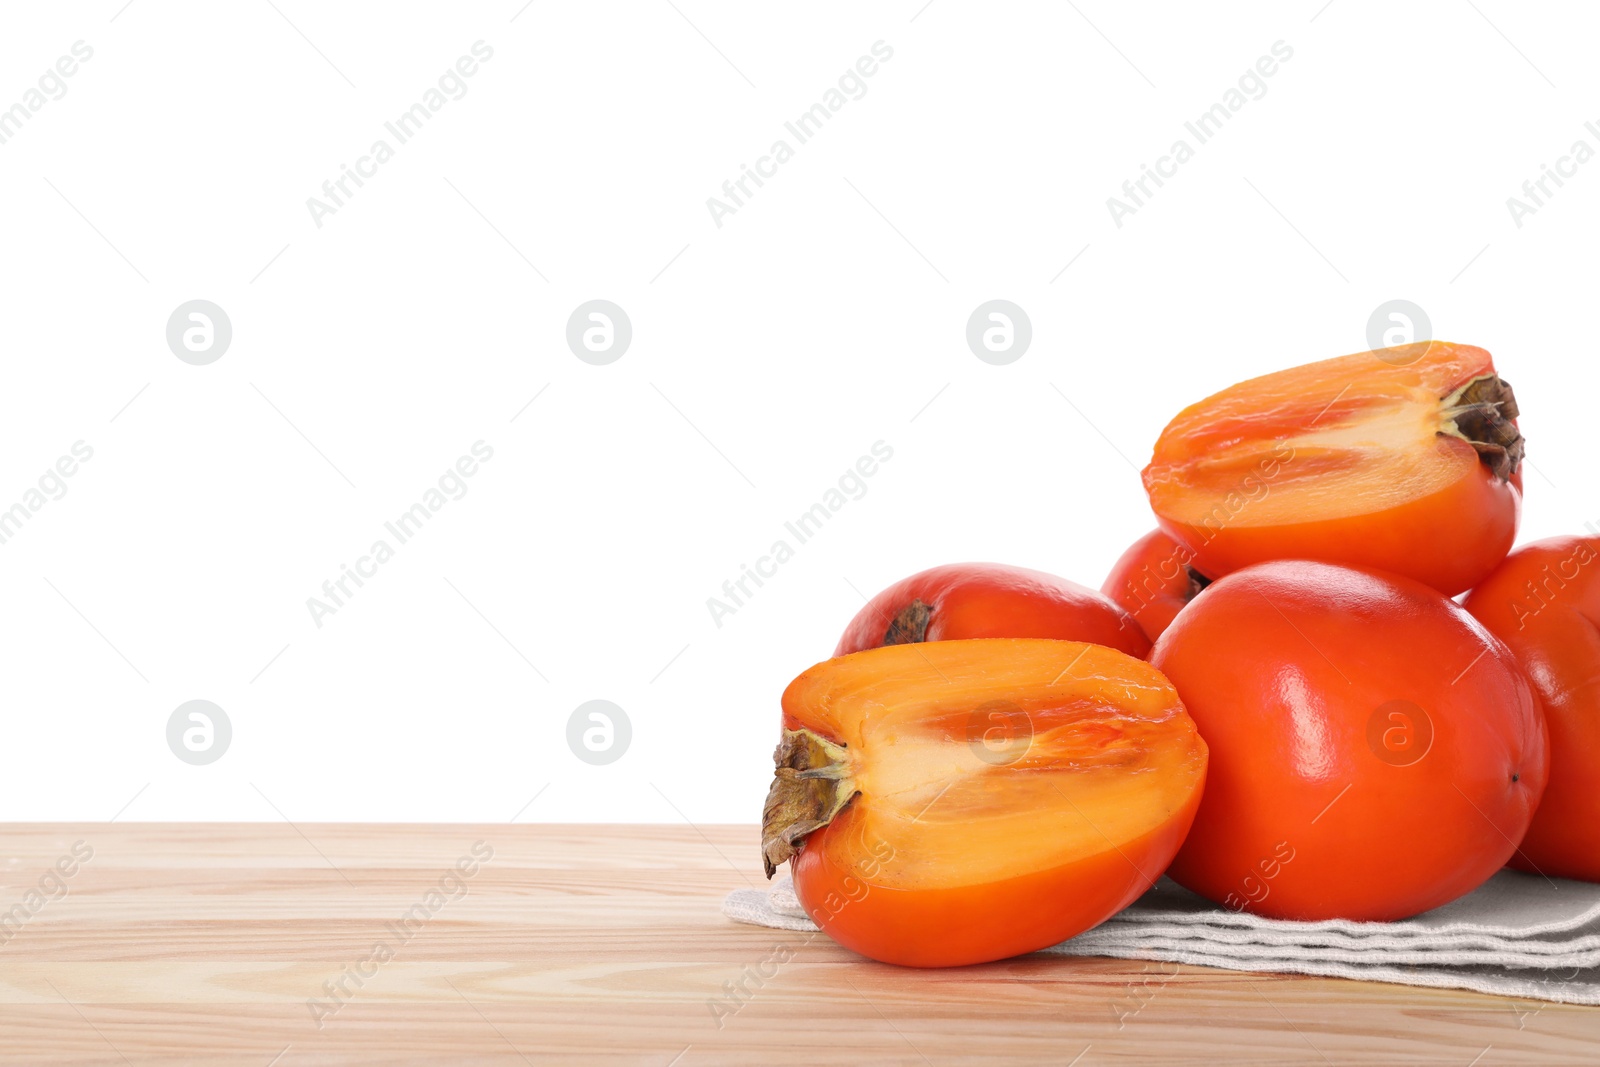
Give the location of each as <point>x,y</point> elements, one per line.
<point>811,784</point>
<point>1197,582</point>
<point>910,626</point>
<point>1483,413</point>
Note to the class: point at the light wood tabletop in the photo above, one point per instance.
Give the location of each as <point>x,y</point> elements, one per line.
<point>506,944</point>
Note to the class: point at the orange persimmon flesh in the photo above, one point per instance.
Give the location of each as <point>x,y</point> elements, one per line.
<point>1405,459</point>
<point>955,802</point>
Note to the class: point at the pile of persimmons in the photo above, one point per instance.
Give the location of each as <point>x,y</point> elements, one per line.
<point>1273,699</point>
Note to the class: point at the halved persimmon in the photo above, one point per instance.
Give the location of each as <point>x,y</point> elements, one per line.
<point>955,802</point>
<point>1405,459</point>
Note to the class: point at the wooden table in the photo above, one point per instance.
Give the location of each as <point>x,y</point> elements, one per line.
<point>336,944</point>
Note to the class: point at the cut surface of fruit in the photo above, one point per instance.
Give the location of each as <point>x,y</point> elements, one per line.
<point>1010,792</point>
<point>1303,462</point>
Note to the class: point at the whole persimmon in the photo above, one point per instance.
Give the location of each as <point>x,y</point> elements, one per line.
<point>967,600</point>
<point>1544,603</point>
<point>1154,580</point>
<point>1375,751</point>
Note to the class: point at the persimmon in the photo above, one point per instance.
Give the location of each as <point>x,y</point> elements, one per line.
<point>1375,752</point>
<point>1407,459</point>
<point>1544,603</point>
<point>954,802</point>
<point>967,600</point>
<point>1154,580</point>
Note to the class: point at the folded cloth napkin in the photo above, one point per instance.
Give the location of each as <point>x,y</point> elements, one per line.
<point>1517,935</point>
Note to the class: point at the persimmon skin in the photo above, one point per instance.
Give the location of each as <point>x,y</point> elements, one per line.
<point>1285,667</point>
<point>1151,581</point>
<point>1449,540</point>
<point>1544,603</point>
<point>957,926</point>
<point>974,600</point>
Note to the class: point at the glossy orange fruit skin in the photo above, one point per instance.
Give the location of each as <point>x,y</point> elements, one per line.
<point>973,600</point>
<point>1449,540</point>
<point>1320,803</point>
<point>1544,603</point>
<point>951,927</point>
<point>1266,437</point>
<point>1151,581</point>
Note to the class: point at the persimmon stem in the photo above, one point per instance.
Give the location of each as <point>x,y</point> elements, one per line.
<point>1483,413</point>
<point>910,627</point>
<point>812,783</point>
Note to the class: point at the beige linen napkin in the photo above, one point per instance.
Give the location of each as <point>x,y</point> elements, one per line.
<point>1517,935</point>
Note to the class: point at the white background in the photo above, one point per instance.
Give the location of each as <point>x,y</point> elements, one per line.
<point>826,314</point>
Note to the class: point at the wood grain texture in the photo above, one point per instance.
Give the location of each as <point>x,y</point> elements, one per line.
<point>604,945</point>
